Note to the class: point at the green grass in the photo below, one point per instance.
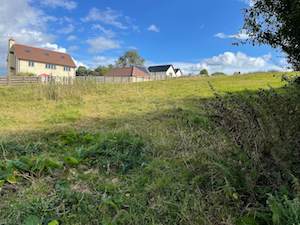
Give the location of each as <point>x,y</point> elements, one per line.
<point>221,150</point>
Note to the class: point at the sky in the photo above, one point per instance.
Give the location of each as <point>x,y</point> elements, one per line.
<point>191,34</point>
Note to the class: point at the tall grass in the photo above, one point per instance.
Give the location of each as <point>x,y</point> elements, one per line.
<point>170,152</point>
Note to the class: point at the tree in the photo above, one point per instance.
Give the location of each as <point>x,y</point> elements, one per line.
<point>218,74</point>
<point>204,72</point>
<point>81,71</point>
<point>103,70</point>
<point>276,23</point>
<point>130,58</point>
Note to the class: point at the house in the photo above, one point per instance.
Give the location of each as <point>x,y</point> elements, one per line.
<point>38,61</point>
<point>178,72</point>
<point>162,70</point>
<point>132,71</point>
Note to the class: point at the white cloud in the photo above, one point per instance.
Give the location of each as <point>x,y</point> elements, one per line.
<point>67,4</point>
<point>103,61</point>
<point>80,63</point>
<point>96,61</point>
<point>71,38</point>
<point>242,35</point>
<point>107,16</point>
<point>27,26</point>
<point>230,62</point>
<point>101,44</point>
<point>106,32</point>
<point>153,28</point>
<point>54,47</point>
<point>67,29</point>
<point>73,48</point>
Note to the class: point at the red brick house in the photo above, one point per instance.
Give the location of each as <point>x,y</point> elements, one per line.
<point>132,71</point>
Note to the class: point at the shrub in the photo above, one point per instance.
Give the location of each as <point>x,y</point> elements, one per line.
<point>22,74</point>
<point>218,74</point>
<point>204,72</point>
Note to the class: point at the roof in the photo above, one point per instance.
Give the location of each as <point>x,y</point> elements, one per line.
<point>177,70</point>
<point>132,71</point>
<point>161,68</point>
<point>43,55</point>
<point>142,68</point>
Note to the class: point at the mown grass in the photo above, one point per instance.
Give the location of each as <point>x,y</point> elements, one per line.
<point>222,150</point>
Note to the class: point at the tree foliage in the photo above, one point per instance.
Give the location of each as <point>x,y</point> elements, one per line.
<point>99,71</point>
<point>204,72</point>
<point>218,74</point>
<point>103,70</point>
<point>130,58</point>
<point>81,71</point>
<point>276,23</point>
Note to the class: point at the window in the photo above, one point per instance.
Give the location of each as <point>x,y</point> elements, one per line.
<point>66,68</point>
<point>30,63</point>
<point>50,66</point>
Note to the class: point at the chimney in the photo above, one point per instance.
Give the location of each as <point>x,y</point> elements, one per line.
<point>11,42</point>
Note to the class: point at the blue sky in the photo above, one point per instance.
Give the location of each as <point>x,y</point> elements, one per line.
<point>192,34</point>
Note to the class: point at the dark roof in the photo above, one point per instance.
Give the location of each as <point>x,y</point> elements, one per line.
<point>176,70</point>
<point>162,68</point>
<point>43,55</point>
<point>133,71</point>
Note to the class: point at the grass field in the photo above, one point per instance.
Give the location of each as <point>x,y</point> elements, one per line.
<point>218,150</point>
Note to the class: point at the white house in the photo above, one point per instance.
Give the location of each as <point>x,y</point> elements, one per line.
<point>178,72</point>
<point>162,70</point>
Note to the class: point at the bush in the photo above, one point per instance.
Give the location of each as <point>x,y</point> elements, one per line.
<point>204,72</point>
<point>218,74</point>
<point>22,74</point>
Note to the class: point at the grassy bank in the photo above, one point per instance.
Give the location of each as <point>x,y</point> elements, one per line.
<point>222,150</point>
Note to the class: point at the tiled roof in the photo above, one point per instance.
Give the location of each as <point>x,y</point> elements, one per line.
<point>132,71</point>
<point>43,55</point>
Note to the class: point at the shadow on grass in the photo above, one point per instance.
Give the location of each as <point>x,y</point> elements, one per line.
<point>224,160</point>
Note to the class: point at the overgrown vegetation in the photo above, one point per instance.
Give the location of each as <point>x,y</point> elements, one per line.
<point>26,74</point>
<point>218,150</point>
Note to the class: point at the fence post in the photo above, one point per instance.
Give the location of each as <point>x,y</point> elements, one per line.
<point>8,79</point>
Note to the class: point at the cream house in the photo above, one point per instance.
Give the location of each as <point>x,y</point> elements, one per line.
<point>38,61</point>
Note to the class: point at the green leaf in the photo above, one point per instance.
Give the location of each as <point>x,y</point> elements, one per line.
<point>52,163</point>
<point>32,220</point>
<point>19,165</point>
<point>71,161</point>
<point>53,222</point>
<point>2,182</point>
<point>11,179</point>
<point>246,220</point>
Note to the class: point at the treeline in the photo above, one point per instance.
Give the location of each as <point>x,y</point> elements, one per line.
<point>129,58</point>
<point>99,71</point>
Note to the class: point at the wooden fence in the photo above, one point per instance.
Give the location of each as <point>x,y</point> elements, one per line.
<point>20,80</point>
<point>119,79</point>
